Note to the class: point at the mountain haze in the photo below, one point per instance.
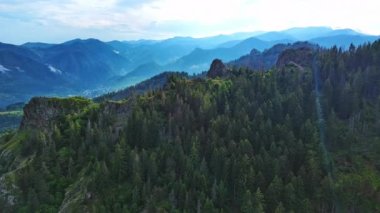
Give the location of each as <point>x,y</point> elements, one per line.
<point>302,136</point>
<point>91,67</point>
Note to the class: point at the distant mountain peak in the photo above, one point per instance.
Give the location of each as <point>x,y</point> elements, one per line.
<point>83,41</point>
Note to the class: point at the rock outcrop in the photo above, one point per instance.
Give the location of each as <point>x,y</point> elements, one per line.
<point>217,69</point>
<point>41,112</point>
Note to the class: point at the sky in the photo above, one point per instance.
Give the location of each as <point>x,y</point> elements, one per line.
<point>55,21</point>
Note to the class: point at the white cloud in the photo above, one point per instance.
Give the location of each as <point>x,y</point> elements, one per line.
<point>3,69</point>
<point>54,70</point>
<point>130,19</point>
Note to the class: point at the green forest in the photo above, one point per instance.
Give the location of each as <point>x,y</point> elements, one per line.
<point>291,139</point>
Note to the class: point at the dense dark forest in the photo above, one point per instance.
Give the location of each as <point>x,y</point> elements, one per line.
<point>292,139</point>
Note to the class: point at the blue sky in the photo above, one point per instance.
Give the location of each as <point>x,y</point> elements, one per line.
<point>61,20</point>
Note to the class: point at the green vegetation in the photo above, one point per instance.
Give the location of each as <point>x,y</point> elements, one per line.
<point>69,103</point>
<point>11,113</point>
<point>249,142</point>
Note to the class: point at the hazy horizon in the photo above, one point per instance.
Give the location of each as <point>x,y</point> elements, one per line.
<point>254,33</point>
<point>54,21</point>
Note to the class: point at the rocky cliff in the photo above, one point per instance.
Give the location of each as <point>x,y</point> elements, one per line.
<point>41,112</point>
<point>217,69</point>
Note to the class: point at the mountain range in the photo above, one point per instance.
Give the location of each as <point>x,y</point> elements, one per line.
<point>266,59</point>
<point>91,67</point>
<point>302,136</point>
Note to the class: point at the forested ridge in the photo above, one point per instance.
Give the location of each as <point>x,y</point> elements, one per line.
<point>244,141</point>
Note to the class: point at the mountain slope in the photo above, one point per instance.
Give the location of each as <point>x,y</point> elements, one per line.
<point>198,60</point>
<point>88,67</point>
<point>267,59</point>
<point>138,75</point>
<point>152,84</point>
<point>343,41</point>
<point>87,61</point>
<point>307,33</point>
<point>36,69</point>
<point>275,36</point>
<point>290,139</point>
<point>169,50</point>
<point>23,75</point>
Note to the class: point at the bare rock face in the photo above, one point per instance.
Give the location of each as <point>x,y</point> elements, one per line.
<point>41,112</point>
<point>217,69</point>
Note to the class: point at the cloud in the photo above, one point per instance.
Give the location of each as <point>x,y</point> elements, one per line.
<point>72,13</point>
<point>132,19</point>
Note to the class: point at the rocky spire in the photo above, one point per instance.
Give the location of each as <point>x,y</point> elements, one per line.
<point>217,69</point>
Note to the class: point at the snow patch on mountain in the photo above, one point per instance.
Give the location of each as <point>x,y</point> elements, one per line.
<point>54,70</point>
<point>3,69</point>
